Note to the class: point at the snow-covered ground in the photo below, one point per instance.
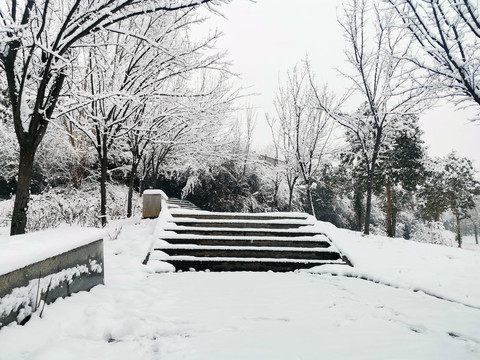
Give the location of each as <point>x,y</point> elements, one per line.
<point>141,314</point>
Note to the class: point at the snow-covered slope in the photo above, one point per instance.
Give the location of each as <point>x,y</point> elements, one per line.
<point>442,271</point>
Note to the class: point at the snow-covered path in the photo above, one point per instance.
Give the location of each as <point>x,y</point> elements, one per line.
<point>144,315</point>
<point>247,316</point>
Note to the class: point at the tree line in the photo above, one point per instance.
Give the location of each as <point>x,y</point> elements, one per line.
<point>403,56</point>
<point>128,95</point>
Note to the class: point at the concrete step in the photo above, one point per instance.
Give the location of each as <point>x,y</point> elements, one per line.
<point>241,232</point>
<point>181,213</point>
<point>176,203</point>
<point>251,252</point>
<point>184,263</point>
<point>317,241</point>
<point>219,241</point>
<point>241,223</point>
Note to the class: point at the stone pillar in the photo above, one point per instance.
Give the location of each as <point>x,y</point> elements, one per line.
<point>152,203</point>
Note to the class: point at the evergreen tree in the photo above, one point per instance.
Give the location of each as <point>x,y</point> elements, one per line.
<point>432,195</point>
<point>461,188</point>
<point>332,197</point>
<point>401,167</point>
<point>450,185</point>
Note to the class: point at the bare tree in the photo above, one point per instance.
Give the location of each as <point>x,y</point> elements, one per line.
<point>194,133</point>
<point>37,44</point>
<point>149,124</point>
<point>448,32</point>
<point>284,161</point>
<point>250,123</point>
<point>134,85</point>
<point>305,127</point>
<point>376,54</point>
<point>274,163</point>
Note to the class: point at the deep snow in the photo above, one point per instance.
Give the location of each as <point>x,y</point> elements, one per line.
<point>141,314</point>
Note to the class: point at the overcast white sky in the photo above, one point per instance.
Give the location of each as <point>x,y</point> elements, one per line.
<point>266,38</point>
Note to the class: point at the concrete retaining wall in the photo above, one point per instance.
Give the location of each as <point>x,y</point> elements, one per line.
<point>23,290</point>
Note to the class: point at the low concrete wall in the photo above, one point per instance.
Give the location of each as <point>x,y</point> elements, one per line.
<point>22,290</point>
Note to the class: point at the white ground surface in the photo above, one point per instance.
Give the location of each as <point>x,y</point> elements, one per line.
<point>141,314</point>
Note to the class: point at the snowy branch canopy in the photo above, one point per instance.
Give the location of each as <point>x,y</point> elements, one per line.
<point>448,32</point>
<point>38,41</point>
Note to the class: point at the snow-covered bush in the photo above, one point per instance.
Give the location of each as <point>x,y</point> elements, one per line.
<point>62,206</point>
<point>63,161</point>
<point>76,206</point>
<point>6,208</point>
<point>226,186</point>
<point>377,217</point>
<point>432,232</point>
<point>59,206</point>
<point>378,230</point>
<point>405,223</point>
<point>8,155</point>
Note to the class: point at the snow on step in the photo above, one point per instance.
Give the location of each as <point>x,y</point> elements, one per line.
<point>199,214</point>
<point>175,203</point>
<point>250,220</point>
<point>320,253</point>
<point>314,237</point>
<point>188,263</point>
<point>186,258</point>
<point>165,245</point>
<point>270,223</point>
<point>266,241</point>
<point>304,231</point>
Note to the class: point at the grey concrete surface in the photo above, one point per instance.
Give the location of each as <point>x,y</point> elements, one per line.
<point>91,256</point>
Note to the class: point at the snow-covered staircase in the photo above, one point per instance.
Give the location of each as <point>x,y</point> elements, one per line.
<point>176,203</point>
<point>203,240</point>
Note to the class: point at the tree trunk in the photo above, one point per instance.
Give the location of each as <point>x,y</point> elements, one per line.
<point>276,186</point>
<point>103,183</point>
<point>291,186</point>
<point>371,174</point>
<point>389,211</point>
<point>310,199</point>
<point>459,235</point>
<point>368,207</point>
<point>290,196</point>
<point>475,229</point>
<point>25,169</point>
<point>133,174</point>
<point>358,206</point>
